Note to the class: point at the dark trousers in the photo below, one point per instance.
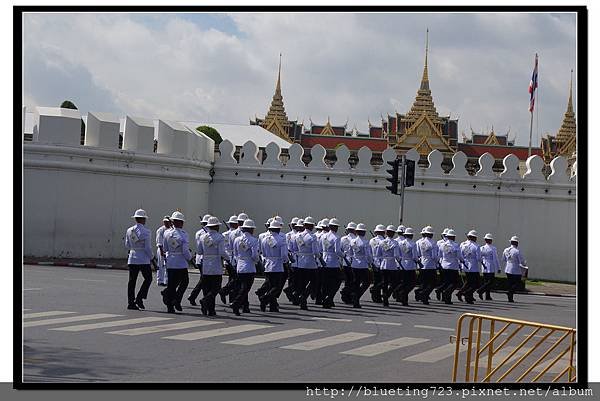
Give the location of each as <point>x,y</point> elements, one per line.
<point>390,280</point>
<point>211,284</point>
<point>243,285</point>
<point>409,280</point>
<point>514,282</point>
<point>470,285</point>
<point>196,290</point>
<point>273,285</point>
<point>305,282</point>
<point>318,292</point>
<point>427,279</point>
<point>231,277</point>
<point>361,283</point>
<point>291,279</point>
<point>177,283</point>
<point>134,270</point>
<point>348,284</point>
<point>451,282</point>
<point>331,284</point>
<point>488,283</point>
<point>377,284</point>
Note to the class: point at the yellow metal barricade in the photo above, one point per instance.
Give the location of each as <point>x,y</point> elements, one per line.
<point>497,349</point>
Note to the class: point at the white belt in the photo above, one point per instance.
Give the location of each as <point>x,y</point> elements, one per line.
<point>210,256</point>
<point>389,258</point>
<point>244,258</point>
<point>329,253</point>
<point>175,253</point>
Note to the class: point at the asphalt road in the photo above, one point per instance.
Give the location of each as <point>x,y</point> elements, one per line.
<point>64,343</point>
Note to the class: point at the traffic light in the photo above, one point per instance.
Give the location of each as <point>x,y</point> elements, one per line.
<point>409,173</point>
<point>393,172</point>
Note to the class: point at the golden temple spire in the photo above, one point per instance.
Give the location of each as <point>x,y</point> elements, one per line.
<point>425,79</point>
<point>278,86</point>
<point>276,119</point>
<point>568,128</point>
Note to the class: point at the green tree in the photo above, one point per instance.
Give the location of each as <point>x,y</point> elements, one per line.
<point>211,133</point>
<point>67,104</point>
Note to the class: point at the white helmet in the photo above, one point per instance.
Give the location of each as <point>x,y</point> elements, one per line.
<point>233,219</point>
<point>248,224</point>
<point>390,228</point>
<point>488,236</point>
<point>379,228</point>
<point>472,233</point>
<point>324,223</point>
<point>427,230</point>
<point>279,219</point>
<point>205,218</point>
<point>275,224</point>
<point>445,231</point>
<point>300,223</point>
<point>334,222</point>
<point>400,229</point>
<point>351,226</point>
<point>140,213</point>
<point>408,231</point>
<point>309,220</point>
<point>294,221</point>
<point>166,218</point>
<point>242,217</point>
<point>450,233</point>
<point>177,215</point>
<point>319,225</point>
<point>361,227</point>
<point>514,238</point>
<point>213,221</point>
<point>269,220</point>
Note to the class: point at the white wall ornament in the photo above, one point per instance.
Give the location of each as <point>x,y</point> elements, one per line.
<point>364,159</point>
<point>138,135</point>
<point>174,139</point>
<point>511,163</point>
<point>342,155</point>
<point>559,170</point>
<point>57,125</point>
<point>249,154</point>
<point>317,153</point>
<point>534,172</point>
<point>435,159</point>
<point>273,153</point>
<point>102,130</point>
<point>226,150</point>
<point>459,161</point>
<point>295,161</point>
<point>486,164</point>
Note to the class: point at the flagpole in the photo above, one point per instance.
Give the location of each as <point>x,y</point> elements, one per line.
<point>530,130</point>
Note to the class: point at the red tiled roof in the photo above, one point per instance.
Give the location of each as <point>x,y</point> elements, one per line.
<point>499,152</point>
<point>353,143</point>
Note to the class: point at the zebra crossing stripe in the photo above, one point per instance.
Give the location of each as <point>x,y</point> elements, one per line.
<point>71,319</point>
<point>420,326</point>
<point>278,335</point>
<point>198,335</point>
<point>435,354</point>
<point>383,323</point>
<point>164,327</point>
<point>113,323</point>
<point>332,319</point>
<point>385,346</point>
<point>328,341</point>
<point>46,314</point>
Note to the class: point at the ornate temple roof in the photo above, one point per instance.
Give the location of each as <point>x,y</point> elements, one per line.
<point>569,127</point>
<point>276,119</point>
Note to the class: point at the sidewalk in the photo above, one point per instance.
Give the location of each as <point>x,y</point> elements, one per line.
<point>532,287</point>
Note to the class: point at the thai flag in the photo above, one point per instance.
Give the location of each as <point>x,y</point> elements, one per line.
<point>533,84</point>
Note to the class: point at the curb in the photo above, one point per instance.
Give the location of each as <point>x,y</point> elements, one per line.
<point>545,294</point>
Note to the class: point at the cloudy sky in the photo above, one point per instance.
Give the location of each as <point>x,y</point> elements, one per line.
<point>222,67</point>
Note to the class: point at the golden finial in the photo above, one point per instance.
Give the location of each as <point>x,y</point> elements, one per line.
<point>278,87</point>
<point>570,105</point>
<point>425,79</point>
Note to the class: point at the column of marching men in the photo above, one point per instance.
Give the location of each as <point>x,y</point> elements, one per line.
<point>314,260</point>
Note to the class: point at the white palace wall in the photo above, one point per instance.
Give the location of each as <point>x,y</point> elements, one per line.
<point>79,199</point>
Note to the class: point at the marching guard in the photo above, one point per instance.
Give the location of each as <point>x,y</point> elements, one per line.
<point>345,241</point>
<point>515,266</point>
<point>211,246</point>
<point>408,262</point>
<point>177,250</point>
<point>274,252</point>
<point>472,257</point>
<point>228,263</point>
<point>198,262</point>
<point>307,253</point>
<point>332,255</point>
<point>361,260</point>
<point>374,242</point>
<point>427,251</point>
<point>161,273</point>
<point>138,243</point>
<point>491,265</point>
<point>245,253</point>
<point>388,253</point>
<point>451,262</point>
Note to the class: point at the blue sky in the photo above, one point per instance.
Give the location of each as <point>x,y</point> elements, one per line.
<point>350,67</point>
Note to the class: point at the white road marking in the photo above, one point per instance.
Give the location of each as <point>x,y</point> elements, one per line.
<point>71,319</point>
<point>278,335</point>
<point>383,323</point>
<point>198,335</point>
<point>164,327</point>
<point>84,279</point>
<point>332,319</point>
<point>31,289</point>
<point>435,354</point>
<point>114,323</point>
<point>385,346</point>
<point>46,314</point>
<point>419,326</point>
<point>328,341</point>
<point>25,310</point>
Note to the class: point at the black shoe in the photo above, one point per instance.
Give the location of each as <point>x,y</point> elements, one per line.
<point>303,306</point>
<point>236,310</point>
<point>438,295</point>
<point>192,302</point>
<point>273,309</point>
<point>212,313</point>
<point>470,300</point>
<point>425,301</point>
<point>170,309</point>
<point>203,308</point>
<point>459,296</point>
<point>417,296</point>
<point>246,309</point>
<point>263,306</point>
<point>488,298</point>
<point>404,303</point>
<point>511,300</point>
<point>178,307</point>
<point>164,297</point>
<point>132,307</point>
<point>162,285</point>
<point>448,302</point>
<point>223,297</point>
<point>385,302</point>
<point>357,306</point>
<point>319,302</point>
<point>480,295</point>
<point>288,293</point>
<point>140,304</point>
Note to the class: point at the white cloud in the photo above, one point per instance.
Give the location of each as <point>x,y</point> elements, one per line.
<point>352,66</point>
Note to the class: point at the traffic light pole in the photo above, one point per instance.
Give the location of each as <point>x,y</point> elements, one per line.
<point>403,159</point>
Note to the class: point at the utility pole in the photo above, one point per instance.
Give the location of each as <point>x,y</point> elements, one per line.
<point>402,166</point>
